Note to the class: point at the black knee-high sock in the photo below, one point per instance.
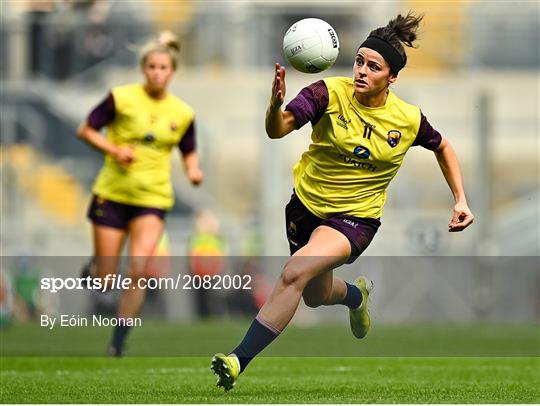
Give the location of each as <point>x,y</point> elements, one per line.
<point>119,336</point>
<point>353,297</point>
<point>259,335</point>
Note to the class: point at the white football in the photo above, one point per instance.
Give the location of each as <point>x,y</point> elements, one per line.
<point>311,45</point>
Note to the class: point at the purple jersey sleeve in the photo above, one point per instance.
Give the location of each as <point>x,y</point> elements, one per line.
<point>310,104</point>
<point>427,136</point>
<point>188,143</point>
<point>103,113</point>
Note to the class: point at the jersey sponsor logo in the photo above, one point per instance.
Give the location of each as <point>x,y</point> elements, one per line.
<point>360,165</point>
<point>394,136</point>
<point>361,152</point>
<point>342,121</point>
<point>149,138</point>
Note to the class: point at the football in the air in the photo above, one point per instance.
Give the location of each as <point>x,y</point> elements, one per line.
<point>311,45</point>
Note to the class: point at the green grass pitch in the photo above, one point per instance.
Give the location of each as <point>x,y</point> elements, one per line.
<point>389,368</point>
<point>272,380</point>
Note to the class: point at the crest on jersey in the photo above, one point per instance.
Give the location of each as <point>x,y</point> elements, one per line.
<point>173,126</point>
<point>393,138</point>
<point>361,152</point>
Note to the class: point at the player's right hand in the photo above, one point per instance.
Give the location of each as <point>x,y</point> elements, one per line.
<point>124,156</point>
<point>278,87</point>
<point>195,176</point>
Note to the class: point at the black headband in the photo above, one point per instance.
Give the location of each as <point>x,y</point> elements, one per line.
<point>387,51</point>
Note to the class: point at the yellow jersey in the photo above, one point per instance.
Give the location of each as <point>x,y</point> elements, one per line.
<point>355,150</point>
<point>153,128</point>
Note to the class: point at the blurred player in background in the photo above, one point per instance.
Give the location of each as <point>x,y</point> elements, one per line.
<point>133,192</point>
<point>361,133</point>
<point>206,255</point>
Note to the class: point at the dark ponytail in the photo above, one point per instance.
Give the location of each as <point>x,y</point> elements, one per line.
<point>402,29</point>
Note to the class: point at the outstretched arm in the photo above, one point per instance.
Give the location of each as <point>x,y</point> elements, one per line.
<point>446,156</point>
<point>278,123</point>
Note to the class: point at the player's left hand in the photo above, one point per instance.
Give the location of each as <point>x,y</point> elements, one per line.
<point>195,176</point>
<point>461,219</point>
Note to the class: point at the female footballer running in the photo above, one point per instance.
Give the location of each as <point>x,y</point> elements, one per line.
<point>132,193</point>
<point>361,133</point>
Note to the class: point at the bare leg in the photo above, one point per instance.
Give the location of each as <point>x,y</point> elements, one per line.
<point>326,250</point>
<point>325,289</point>
<point>108,242</point>
<point>145,232</point>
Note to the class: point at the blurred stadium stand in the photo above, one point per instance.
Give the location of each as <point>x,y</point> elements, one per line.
<point>61,57</point>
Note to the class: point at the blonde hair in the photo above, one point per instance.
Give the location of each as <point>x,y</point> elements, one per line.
<point>166,42</point>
